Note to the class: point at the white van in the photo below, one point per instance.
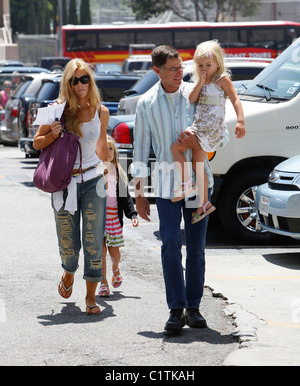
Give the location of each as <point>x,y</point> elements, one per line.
<point>271,104</point>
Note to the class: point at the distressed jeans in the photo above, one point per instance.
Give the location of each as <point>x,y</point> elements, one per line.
<point>182,291</point>
<point>92,210</point>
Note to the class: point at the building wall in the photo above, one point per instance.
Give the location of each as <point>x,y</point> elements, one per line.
<point>277,10</point>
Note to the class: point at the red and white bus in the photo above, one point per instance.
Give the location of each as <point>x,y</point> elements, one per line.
<point>110,43</point>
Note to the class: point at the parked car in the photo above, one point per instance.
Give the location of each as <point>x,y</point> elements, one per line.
<point>54,63</point>
<point>137,63</point>
<point>9,63</point>
<point>27,98</point>
<point>9,128</point>
<point>241,70</point>
<point>111,89</point>
<point>22,70</point>
<point>271,103</point>
<point>278,201</point>
<point>108,68</point>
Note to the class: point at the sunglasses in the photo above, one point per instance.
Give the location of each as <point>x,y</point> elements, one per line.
<point>84,79</point>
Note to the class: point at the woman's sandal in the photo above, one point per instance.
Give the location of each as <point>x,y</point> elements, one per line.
<point>89,310</point>
<point>66,290</point>
<point>116,280</point>
<point>184,190</point>
<point>104,291</point>
<point>198,217</point>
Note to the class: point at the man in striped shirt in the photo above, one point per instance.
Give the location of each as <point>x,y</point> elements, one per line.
<point>162,114</point>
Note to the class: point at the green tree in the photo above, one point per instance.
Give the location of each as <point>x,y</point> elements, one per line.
<point>194,9</point>
<point>32,23</point>
<point>30,16</point>
<point>73,13</point>
<point>65,12</point>
<point>85,13</point>
<point>55,15</point>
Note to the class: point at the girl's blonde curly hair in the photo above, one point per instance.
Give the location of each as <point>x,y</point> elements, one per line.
<point>210,49</point>
<point>66,93</point>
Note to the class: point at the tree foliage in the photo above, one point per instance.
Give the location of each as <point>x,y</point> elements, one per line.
<point>42,16</point>
<point>195,10</point>
<point>85,13</point>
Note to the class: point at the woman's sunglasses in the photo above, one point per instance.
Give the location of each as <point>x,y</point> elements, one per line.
<point>84,79</point>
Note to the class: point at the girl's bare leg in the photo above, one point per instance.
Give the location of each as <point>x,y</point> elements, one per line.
<point>115,257</point>
<point>199,156</point>
<point>181,162</point>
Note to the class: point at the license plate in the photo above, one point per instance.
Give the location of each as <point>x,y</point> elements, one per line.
<point>264,205</point>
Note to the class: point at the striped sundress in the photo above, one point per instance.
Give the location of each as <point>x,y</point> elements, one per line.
<point>113,235</point>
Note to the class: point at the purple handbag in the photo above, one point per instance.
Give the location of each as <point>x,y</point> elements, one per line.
<point>54,170</point>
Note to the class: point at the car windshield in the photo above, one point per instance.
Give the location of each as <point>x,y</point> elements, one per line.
<point>280,80</point>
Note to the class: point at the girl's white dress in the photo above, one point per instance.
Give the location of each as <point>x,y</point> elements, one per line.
<point>209,125</point>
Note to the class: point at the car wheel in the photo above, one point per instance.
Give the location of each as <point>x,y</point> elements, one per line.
<point>237,209</point>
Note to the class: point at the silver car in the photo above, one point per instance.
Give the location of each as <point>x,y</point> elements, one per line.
<point>278,201</point>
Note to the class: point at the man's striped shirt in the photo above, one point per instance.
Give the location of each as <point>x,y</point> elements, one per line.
<point>159,123</point>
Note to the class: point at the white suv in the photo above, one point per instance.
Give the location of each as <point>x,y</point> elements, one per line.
<point>271,104</point>
<point>137,63</point>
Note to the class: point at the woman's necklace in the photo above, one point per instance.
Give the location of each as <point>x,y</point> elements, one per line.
<point>81,107</point>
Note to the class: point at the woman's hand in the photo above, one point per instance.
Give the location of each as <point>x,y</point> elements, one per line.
<point>46,135</point>
<point>56,129</point>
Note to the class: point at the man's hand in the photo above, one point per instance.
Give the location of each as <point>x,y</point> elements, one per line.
<point>143,207</point>
<point>188,140</point>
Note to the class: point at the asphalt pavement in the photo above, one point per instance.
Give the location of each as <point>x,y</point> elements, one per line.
<point>39,328</point>
<point>251,301</point>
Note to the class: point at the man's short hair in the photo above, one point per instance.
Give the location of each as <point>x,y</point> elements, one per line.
<point>161,54</point>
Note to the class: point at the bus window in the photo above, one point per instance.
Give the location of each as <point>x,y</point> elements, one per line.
<point>291,34</point>
<point>81,41</point>
<point>186,38</point>
<point>157,37</point>
<point>230,37</point>
<point>270,38</point>
<point>115,40</point>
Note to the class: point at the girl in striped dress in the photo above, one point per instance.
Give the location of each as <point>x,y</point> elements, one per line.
<point>118,202</point>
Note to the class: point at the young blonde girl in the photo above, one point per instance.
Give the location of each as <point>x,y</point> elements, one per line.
<point>213,85</point>
<point>118,202</point>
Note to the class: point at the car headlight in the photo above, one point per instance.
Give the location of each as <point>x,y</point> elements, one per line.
<point>273,176</point>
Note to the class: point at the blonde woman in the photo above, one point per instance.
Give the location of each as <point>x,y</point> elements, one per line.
<point>118,202</point>
<point>84,199</point>
<point>213,85</point>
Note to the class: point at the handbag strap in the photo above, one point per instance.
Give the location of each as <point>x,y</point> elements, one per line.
<point>80,166</point>
<point>62,121</point>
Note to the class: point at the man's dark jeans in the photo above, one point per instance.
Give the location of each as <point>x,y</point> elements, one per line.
<point>182,291</point>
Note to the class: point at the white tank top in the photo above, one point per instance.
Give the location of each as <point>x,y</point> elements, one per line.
<point>91,132</point>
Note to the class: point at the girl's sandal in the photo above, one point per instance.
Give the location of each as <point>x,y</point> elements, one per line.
<point>184,190</point>
<point>93,310</point>
<point>198,217</point>
<point>104,291</point>
<point>61,286</point>
<point>116,280</point>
